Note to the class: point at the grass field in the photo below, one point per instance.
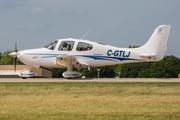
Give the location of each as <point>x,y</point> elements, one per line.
<point>91,100</point>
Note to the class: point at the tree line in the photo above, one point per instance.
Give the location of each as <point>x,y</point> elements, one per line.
<point>168,67</point>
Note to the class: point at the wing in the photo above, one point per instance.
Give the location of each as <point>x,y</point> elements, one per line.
<point>69,61</point>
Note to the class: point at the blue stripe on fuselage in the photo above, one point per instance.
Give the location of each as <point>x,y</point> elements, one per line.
<point>106,58</point>
<point>86,56</point>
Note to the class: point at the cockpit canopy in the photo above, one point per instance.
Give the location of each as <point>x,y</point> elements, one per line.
<point>67,45</point>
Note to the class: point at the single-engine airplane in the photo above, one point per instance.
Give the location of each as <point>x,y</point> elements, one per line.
<point>78,53</point>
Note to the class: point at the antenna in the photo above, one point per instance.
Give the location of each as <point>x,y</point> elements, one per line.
<point>85,35</point>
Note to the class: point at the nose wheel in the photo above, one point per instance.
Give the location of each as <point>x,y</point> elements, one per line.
<point>26,73</point>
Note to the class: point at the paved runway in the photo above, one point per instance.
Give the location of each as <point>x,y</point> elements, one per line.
<point>90,80</point>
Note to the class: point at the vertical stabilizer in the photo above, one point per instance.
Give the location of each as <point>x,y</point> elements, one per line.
<point>156,45</point>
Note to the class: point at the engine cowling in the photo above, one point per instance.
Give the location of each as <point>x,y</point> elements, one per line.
<point>71,74</point>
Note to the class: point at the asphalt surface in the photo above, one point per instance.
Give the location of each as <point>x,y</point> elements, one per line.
<point>90,80</point>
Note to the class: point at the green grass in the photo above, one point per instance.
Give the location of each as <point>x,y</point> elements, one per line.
<point>91,100</point>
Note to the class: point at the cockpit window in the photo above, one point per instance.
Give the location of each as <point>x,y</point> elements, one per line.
<point>83,47</point>
<point>51,45</point>
<point>66,46</point>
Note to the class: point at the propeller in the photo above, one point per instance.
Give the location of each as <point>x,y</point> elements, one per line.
<point>14,54</point>
<point>15,60</point>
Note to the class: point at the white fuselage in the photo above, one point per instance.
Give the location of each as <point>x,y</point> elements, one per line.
<point>99,55</point>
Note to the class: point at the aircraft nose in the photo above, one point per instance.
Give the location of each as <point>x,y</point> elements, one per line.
<point>13,54</point>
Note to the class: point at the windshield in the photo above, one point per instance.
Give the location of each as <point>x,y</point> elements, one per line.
<point>51,45</point>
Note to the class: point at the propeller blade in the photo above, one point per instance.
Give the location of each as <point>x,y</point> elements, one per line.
<point>15,46</point>
<point>15,64</point>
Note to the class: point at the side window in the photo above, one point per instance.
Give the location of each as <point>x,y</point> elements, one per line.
<point>51,45</point>
<point>83,47</point>
<point>66,46</point>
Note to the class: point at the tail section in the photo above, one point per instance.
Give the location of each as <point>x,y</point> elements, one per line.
<point>155,48</point>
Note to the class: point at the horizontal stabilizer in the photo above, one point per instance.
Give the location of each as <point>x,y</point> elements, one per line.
<point>147,57</point>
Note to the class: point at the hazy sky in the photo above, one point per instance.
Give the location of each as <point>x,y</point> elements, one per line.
<point>34,23</point>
